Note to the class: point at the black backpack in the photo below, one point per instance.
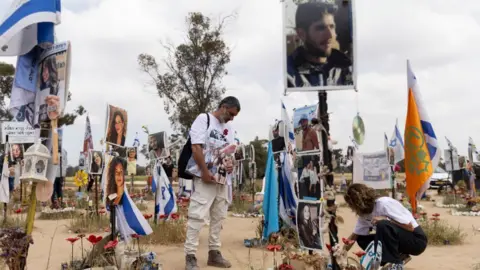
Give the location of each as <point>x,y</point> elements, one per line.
<point>185,156</point>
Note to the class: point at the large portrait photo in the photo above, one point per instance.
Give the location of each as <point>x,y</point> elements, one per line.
<point>309,225</point>
<point>318,45</point>
<point>117,122</point>
<point>115,180</point>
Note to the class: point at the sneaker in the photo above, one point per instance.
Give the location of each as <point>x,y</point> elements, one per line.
<point>216,259</point>
<point>191,262</point>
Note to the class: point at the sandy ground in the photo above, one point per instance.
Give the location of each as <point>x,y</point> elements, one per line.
<point>237,229</point>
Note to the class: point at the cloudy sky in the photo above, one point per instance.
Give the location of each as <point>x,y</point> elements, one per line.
<point>439,37</point>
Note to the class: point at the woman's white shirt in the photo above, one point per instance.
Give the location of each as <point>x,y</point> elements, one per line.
<point>387,207</point>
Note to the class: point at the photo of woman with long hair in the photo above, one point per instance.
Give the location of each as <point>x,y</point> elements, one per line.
<point>116,180</point>
<point>49,75</point>
<point>117,126</point>
<point>96,163</point>
<point>308,225</point>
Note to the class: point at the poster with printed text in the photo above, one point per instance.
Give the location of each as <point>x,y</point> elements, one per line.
<point>372,169</point>
<point>52,85</point>
<point>319,49</point>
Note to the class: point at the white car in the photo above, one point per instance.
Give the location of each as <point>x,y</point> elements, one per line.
<point>440,178</point>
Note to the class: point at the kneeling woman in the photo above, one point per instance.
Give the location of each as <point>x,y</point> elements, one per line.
<point>395,226</point>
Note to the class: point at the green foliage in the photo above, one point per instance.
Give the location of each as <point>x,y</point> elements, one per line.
<point>260,155</point>
<point>439,232</point>
<point>191,82</point>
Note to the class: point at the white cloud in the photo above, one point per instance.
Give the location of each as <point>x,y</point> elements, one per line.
<point>439,37</point>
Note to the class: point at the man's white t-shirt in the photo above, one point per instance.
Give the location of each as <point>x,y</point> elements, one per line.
<point>387,207</point>
<point>215,138</point>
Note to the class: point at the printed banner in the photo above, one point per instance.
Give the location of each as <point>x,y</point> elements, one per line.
<point>372,169</point>
<point>451,158</point>
<point>81,161</point>
<point>53,80</point>
<point>309,225</point>
<point>18,132</point>
<point>319,45</point>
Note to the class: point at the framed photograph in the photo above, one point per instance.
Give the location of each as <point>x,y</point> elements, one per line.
<point>116,126</point>
<point>319,45</point>
<point>372,169</point>
<point>309,184</point>
<point>240,153</point>
<point>95,162</point>
<point>81,161</point>
<point>131,160</point>
<point>309,225</point>
<point>158,145</point>
<point>306,129</point>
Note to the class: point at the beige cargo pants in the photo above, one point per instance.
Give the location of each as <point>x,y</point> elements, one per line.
<point>207,200</point>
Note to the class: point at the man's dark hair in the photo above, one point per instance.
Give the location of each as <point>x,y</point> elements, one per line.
<point>308,13</point>
<point>230,102</point>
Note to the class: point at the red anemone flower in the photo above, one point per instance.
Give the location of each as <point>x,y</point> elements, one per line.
<point>147,216</point>
<point>347,241</point>
<point>274,247</point>
<point>136,236</point>
<point>18,211</point>
<point>72,239</point>
<point>175,216</point>
<point>94,239</point>
<point>436,215</point>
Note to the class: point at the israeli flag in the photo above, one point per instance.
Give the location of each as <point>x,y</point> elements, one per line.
<point>288,123</point>
<point>136,141</point>
<point>396,142</point>
<point>288,199</point>
<point>28,23</point>
<point>129,219</point>
<point>165,202</point>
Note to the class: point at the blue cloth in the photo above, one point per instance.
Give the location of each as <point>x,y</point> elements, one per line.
<point>26,72</point>
<point>270,199</point>
<point>11,183</point>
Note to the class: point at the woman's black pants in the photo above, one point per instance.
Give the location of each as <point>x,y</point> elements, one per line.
<point>396,241</point>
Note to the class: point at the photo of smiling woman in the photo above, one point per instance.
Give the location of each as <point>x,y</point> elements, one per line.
<point>132,161</point>
<point>116,125</point>
<point>116,180</point>
<point>96,162</point>
<point>16,152</point>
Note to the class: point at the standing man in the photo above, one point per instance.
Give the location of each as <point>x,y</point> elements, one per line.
<point>319,61</point>
<point>209,132</point>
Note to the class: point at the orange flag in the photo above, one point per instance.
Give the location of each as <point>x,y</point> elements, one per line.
<point>421,149</point>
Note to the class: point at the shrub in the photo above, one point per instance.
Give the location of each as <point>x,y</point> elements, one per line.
<point>452,199</point>
<point>439,232</point>
<point>57,214</point>
<point>241,203</point>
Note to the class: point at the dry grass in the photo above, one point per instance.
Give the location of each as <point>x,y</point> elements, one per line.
<point>88,224</point>
<point>439,232</point>
<point>142,206</point>
<point>168,232</point>
<point>453,199</point>
<point>58,215</point>
<point>241,203</point>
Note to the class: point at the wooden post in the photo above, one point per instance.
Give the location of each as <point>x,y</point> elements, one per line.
<point>96,195</point>
<point>112,220</point>
<point>32,205</point>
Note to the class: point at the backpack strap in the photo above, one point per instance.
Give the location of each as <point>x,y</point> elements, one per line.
<point>208,120</point>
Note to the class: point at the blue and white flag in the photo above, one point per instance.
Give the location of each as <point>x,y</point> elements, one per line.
<point>136,141</point>
<point>165,203</point>
<point>129,218</point>
<point>288,123</point>
<point>396,143</point>
<point>270,198</point>
<point>28,23</point>
<point>288,199</point>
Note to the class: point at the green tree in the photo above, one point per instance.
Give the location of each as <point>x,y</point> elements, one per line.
<point>7,73</point>
<point>191,84</point>
<point>260,155</point>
